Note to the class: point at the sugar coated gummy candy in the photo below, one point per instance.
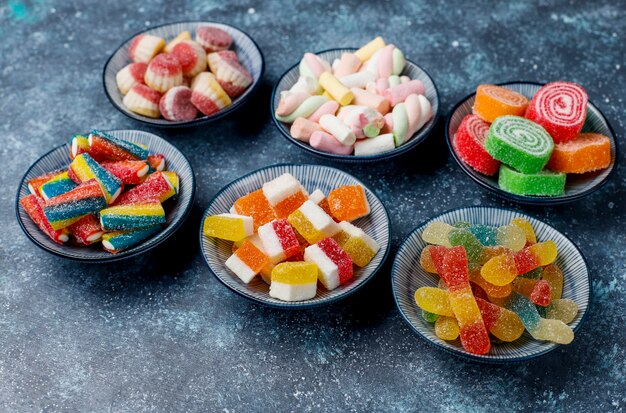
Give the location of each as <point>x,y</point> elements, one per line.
<point>156,161</point>
<point>519,143</point>
<point>587,152</point>
<point>451,265</point>
<point>437,233</point>
<point>560,309</point>
<point>294,281</point>
<point>84,168</point>
<point>58,185</point>
<point>129,172</point>
<point>35,183</point>
<point>429,317</point>
<point>78,144</point>
<point>561,108</point>
<point>255,205</point>
<point>157,185</point>
<point>447,328</point>
<point>494,101</point>
<point>501,322</point>
<point>469,143</point>
<point>132,216</point>
<point>117,241</point>
<point>231,75</point>
<point>312,223</point>
<point>433,300</point>
<point>356,243</point>
<point>525,225</point>
<point>87,230</point>
<point>333,263</point>
<point>554,277</point>
<point>503,269</point>
<point>207,95</point>
<point>247,261</point>
<point>284,194</point>
<point>105,147</point>
<point>537,290</point>
<point>65,209</point>
<point>34,207</point>
<point>542,183</point>
<point>348,203</point>
<point>228,226</point>
<point>279,240</point>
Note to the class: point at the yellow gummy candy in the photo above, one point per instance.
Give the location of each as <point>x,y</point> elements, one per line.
<point>295,273</point>
<point>562,309</point>
<point>305,227</point>
<point>553,275</point>
<point>447,328</point>
<point>356,248</point>
<point>553,330</point>
<point>433,300</point>
<point>426,260</point>
<point>545,252</point>
<point>526,227</point>
<point>437,233</point>
<point>226,227</point>
<point>509,326</point>
<point>511,236</point>
<point>500,270</point>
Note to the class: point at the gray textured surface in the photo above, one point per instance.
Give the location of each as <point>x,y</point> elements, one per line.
<point>160,333</point>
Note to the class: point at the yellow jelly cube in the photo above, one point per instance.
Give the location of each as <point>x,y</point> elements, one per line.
<point>356,243</point>
<point>230,227</point>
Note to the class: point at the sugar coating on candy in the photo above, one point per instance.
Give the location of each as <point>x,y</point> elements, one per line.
<point>106,147</point>
<point>175,104</point>
<point>279,240</point>
<point>526,226</point>
<point>255,205</point>
<point>163,73</point>
<point>486,234</point>
<point>334,265</point>
<point>155,186</point>
<point>429,317</point>
<point>58,185</point>
<point>78,144</point>
<point>554,277</point>
<point>467,240</point>
<point>469,143</point>
<point>542,183</point>
<point>228,226</point>
<point>130,76</point>
<point>495,291</point>
<point>231,75</point>
<point>511,236</point>
<point>65,209</point>
<point>33,205</point>
<point>437,233</point>
<point>313,223</point>
<point>84,168</point>
<point>180,38</point>
<point>156,162</point>
<point>133,216</point>
<point>121,240</point>
<point>247,261</point>
<point>540,295</point>
<point>502,323</point>
<point>561,309</point>
<point>587,152</point>
<point>426,261</point>
<point>35,183</point>
<point>561,108</point>
<point>320,199</point>
<point>144,47</point>
<point>285,207</point>
<point>433,300</point>
<point>294,281</point>
<point>129,172</point>
<point>553,330</point>
<point>533,274</point>
<point>519,143</point>
<point>87,230</point>
<point>348,202</point>
<point>213,39</point>
<point>494,101</point>
<point>447,328</point>
<point>358,245</point>
<point>191,56</point>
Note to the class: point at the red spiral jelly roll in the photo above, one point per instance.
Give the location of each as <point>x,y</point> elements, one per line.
<point>87,230</point>
<point>33,205</point>
<point>469,143</point>
<point>561,108</point>
<point>129,172</point>
<point>451,265</point>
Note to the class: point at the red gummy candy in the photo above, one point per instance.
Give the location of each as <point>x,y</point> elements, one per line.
<point>475,338</point>
<point>540,294</point>
<point>489,311</point>
<point>155,186</point>
<point>287,237</point>
<point>337,255</point>
<point>469,143</point>
<point>525,261</point>
<point>127,171</point>
<point>33,205</point>
<point>455,274</point>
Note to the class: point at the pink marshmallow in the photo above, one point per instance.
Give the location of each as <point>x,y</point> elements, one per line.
<point>413,113</point>
<point>347,65</point>
<point>290,102</point>
<point>327,143</point>
<point>398,94</point>
<point>302,129</point>
<point>328,108</point>
<point>385,61</point>
<point>363,98</point>
<point>382,84</point>
<point>405,79</point>
<point>313,62</point>
<point>371,87</point>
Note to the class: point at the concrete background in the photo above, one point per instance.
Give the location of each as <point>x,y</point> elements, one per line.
<point>159,333</point>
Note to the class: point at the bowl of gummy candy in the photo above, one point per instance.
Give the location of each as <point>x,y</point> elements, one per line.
<point>106,196</point>
<point>183,74</point>
<point>532,143</point>
<point>491,284</point>
<point>295,236</point>
<point>354,105</point>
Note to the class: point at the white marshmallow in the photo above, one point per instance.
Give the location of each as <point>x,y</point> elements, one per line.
<point>379,144</point>
<point>281,188</point>
<point>338,129</point>
<point>358,79</point>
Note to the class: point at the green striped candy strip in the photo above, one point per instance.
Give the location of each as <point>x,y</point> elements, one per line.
<point>542,183</point>
<point>519,143</point>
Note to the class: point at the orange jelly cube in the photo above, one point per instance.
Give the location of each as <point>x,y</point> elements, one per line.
<point>255,205</point>
<point>285,207</point>
<point>348,203</point>
<point>252,256</point>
